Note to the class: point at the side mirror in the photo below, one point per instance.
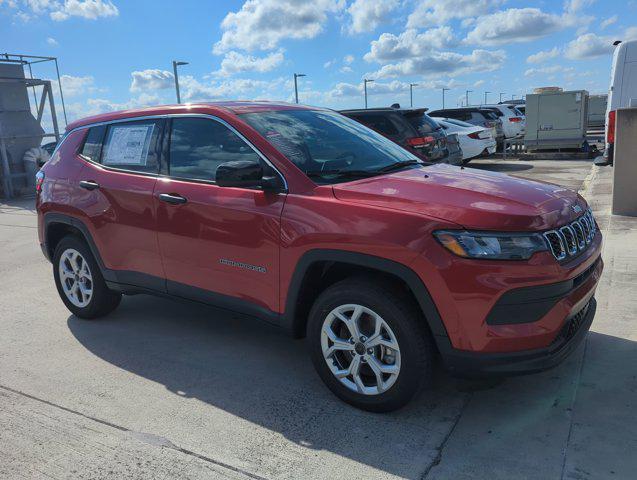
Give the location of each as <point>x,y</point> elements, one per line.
<point>246,174</point>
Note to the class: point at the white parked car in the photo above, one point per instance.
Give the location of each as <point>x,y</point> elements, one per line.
<point>474,140</point>
<point>513,120</point>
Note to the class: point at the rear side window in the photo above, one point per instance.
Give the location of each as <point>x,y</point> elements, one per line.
<point>133,146</point>
<point>380,123</point>
<point>199,145</point>
<point>423,123</point>
<point>93,143</point>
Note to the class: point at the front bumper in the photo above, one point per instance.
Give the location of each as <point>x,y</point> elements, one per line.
<point>571,335</point>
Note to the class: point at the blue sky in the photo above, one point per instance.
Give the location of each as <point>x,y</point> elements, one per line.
<point>117,54</point>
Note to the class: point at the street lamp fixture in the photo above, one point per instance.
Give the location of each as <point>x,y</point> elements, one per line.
<point>175,65</point>
<point>365,82</point>
<point>485,97</point>
<point>467,96</point>
<point>444,89</point>
<point>501,93</point>
<point>411,93</point>
<point>296,87</point>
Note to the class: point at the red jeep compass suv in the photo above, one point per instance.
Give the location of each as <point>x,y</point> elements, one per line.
<point>313,222</point>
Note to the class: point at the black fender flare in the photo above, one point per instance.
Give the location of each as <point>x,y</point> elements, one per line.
<point>60,218</point>
<point>295,325</point>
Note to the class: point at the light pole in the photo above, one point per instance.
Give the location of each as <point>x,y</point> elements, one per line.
<point>467,97</point>
<point>444,89</point>
<point>411,93</point>
<point>296,87</point>
<point>501,93</point>
<point>365,82</point>
<point>512,97</point>
<point>175,65</point>
<point>485,97</point>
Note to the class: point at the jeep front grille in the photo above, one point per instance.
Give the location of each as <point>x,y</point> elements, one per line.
<point>571,239</point>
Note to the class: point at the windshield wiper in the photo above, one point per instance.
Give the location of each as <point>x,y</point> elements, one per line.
<point>341,173</point>
<point>398,165</point>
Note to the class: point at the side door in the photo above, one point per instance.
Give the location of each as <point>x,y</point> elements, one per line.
<point>118,179</point>
<point>219,244</point>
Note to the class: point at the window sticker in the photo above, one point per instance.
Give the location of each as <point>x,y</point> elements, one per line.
<point>128,145</point>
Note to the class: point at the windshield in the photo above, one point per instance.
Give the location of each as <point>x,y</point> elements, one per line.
<point>423,123</point>
<point>328,146</point>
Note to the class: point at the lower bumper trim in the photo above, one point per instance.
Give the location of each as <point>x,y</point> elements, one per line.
<point>466,363</point>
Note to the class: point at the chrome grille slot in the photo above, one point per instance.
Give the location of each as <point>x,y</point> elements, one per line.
<point>556,244</point>
<point>579,235</point>
<point>569,239</point>
<point>586,228</point>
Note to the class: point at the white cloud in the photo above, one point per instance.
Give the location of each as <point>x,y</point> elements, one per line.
<point>90,9</point>
<point>543,56</point>
<point>235,62</point>
<point>588,46</point>
<point>479,83</point>
<point>263,24</point>
<point>77,85</point>
<point>151,79</point>
<point>60,10</point>
<point>608,22</point>
<point>51,41</point>
<point>329,63</point>
<point>575,6</point>
<point>548,70</point>
<point>348,59</point>
<point>366,15</point>
<point>408,44</point>
<point>514,25</point>
<point>446,63</point>
<point>346,69</point>
<point>439,12</point>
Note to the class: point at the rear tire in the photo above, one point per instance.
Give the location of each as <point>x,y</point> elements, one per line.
<point>79,280</point>
<point>400,362</point>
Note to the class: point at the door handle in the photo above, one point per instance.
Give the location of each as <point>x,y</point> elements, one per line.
<point>172,198</point>
<point>89,184</point>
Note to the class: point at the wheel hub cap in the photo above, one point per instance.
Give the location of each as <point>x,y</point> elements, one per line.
<point>75,277</point>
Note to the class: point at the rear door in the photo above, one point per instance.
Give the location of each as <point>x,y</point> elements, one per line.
<point>218,244</point>
<point>118,180</point>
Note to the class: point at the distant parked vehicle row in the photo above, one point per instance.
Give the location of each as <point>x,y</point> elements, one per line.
<point>411,128</point>
<point>482,117</point>
<point>474,141</point>
<point>513,121</point>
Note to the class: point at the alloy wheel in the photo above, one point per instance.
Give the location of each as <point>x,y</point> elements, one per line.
<point>360,349</point>
<point>75,277</point>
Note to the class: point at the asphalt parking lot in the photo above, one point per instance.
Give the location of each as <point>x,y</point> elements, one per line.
<point>161,389</point>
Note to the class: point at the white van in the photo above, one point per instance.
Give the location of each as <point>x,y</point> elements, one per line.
<point>623,89</point>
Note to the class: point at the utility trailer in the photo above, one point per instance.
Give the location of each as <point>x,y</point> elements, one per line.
<point>556,120</point>
<point>597,111</point>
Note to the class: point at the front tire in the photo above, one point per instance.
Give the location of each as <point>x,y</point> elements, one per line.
<point>79,280</point>
<point>369,344</point>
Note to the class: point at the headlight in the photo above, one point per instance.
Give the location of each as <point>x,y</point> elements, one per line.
<point>490,245</point>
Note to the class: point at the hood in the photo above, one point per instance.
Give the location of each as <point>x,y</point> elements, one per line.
<point>474,199</point>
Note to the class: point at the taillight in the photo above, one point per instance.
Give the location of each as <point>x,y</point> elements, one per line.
<point>419,142</point>
<point>39,180</point>
<point>515,119</point>
<point>610,137</point>
<point>474,135</point>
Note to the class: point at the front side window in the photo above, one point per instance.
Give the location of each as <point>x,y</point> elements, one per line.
<point>132,146</point>
<point>327,146</point>
<point>199,145</point>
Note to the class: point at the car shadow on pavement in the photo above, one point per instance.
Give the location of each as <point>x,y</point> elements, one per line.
<point>254,371</point>
<point>501,166</point>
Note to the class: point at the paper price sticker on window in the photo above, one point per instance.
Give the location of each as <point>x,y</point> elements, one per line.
<point>128,145</point>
